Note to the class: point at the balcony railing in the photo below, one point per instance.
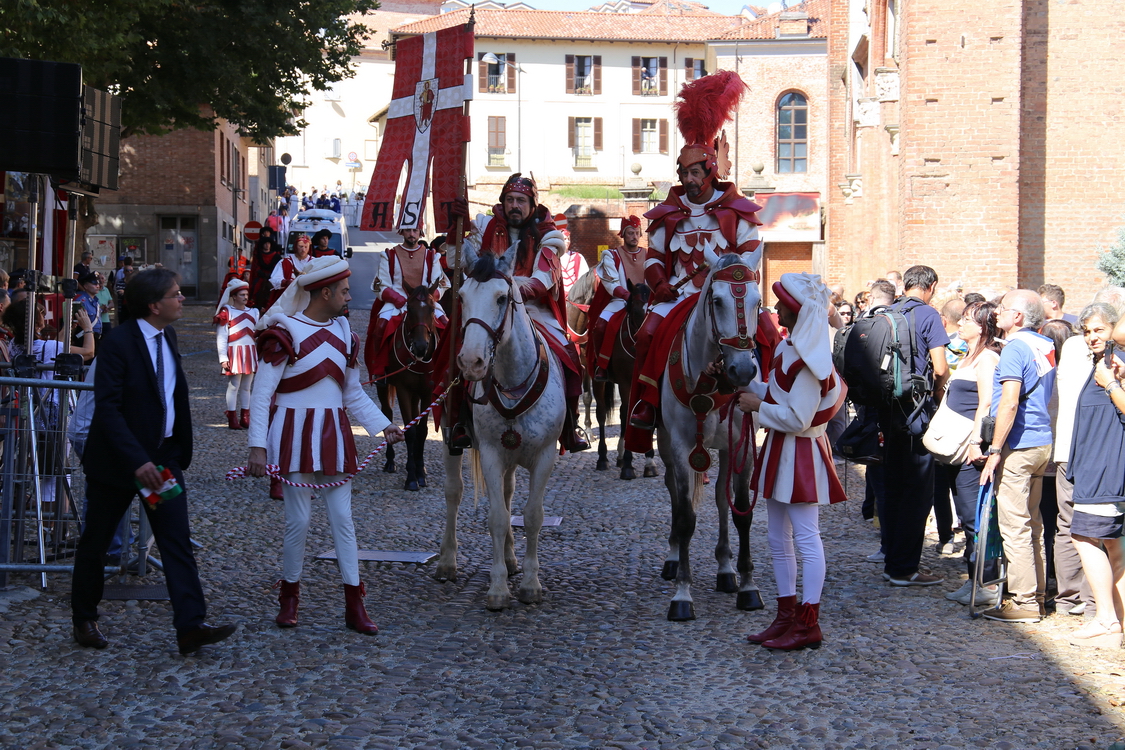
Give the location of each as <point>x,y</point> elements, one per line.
<point>650,87</point>
<point>583,159</point>
<point>497,157</point>
<point>498,84</point>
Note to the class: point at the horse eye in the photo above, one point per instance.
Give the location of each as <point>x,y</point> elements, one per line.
<point>502,300</point>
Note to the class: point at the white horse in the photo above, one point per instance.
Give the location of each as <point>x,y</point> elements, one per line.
<point>516,388</point>
<point>720,330</point>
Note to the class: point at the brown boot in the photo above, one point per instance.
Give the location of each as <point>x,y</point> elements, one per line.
<point>786,608</point>
<point>804,633</point>
<point>244,419</point>
<point>355,615</point>
<point>288,598</point>
<point>232,420</point>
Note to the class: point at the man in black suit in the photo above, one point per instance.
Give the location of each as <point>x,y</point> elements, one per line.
<point>141,420</point>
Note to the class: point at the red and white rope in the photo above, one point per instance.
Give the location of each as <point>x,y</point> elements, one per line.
<point>275,471</point>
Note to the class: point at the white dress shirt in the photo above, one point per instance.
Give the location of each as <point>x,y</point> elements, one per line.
<point>169,371</point>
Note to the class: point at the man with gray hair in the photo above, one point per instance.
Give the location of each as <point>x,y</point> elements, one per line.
<point>1021,446</point>
<point>1112,295</point>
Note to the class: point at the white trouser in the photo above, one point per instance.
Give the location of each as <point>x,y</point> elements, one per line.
<point>800,523</point>
<point>611,308</point>
<point>298,512</point>
<point>238,391</point>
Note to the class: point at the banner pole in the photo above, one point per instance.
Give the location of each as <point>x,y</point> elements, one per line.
<point>459,234</point>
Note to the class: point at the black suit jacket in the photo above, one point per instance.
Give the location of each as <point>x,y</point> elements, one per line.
<point>126,430</point>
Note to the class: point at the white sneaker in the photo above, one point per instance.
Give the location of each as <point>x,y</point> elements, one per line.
<point>877,557</point>
<point>961,595</point>
<point>944,549</point>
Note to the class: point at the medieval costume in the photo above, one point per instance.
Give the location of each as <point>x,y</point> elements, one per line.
<point>794,471</point>
<point>238,353</point>
<point>267,254</point>
<point>572,264</point>
<point>686,237</point>
<point>619,270</point>
<point>307,378</point>
<point>290,267</point>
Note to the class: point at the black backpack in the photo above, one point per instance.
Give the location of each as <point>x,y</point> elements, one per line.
<point>875,357</point>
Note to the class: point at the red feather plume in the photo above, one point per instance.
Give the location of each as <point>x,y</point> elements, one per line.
<point>706,103</point>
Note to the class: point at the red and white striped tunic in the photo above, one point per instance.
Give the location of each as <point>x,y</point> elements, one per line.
<point>795,464</point>
<point>234,334</point>
<point>309,369</point>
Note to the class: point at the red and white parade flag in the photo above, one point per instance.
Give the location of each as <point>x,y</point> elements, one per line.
<point>426,124</point>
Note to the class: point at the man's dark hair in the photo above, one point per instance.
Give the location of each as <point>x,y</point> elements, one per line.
<point>884,290</point>
<point>1053,292</point>
<point>919,277</point>
<point>144,289</point>
<point>972,297</point>
<point>128,261</point>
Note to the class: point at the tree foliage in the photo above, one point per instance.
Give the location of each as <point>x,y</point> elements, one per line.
<point>1112,261</point>
<point>184,63</point>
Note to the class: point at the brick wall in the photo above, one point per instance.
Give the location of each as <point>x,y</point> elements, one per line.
<point>173,169</point>
<point>588,232</point>
<point>783,257</point>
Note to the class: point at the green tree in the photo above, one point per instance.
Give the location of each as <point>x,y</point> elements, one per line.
<point>1112,261</point>
<point>179,64</point>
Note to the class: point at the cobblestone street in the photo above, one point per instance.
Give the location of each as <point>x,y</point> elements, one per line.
<point>596,665</point>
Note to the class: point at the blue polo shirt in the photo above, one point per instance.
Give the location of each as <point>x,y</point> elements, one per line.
<point>1025,359</point>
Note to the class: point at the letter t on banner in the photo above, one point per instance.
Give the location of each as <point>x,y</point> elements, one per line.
<point>426,125</point>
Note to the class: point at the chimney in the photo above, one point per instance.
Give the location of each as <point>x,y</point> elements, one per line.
<point>793,24</point>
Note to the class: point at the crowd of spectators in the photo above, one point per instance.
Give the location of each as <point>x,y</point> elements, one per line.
<point>1047,385</point>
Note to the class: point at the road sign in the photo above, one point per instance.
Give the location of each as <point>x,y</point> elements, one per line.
<point>252,230</point>
<point>353,156</point>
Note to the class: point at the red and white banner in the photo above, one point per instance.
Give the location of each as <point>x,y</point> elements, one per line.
<point>426,125</point>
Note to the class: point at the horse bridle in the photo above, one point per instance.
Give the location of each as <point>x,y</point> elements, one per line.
<point>739,276</point>
<point>494,334</point>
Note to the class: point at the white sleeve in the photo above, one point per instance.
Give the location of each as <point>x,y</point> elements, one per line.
<point>794,411</point>
<point>265,384</point>
<point>437,274</point>
<point>609,272</point>
<point>222,332</point>
<point>278,274</point>
<point>655,247</point>
<point>746,232</point>
<point>360,404</point>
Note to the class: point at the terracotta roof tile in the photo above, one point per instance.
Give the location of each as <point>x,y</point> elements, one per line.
<point>766,26</point>
<point>563,25</point>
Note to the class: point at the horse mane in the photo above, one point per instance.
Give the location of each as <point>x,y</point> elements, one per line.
<point>487,267</point>
<point>583,290</point>
<point>727,259</point>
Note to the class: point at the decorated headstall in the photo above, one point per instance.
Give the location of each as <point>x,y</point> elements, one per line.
<point>739,276</point>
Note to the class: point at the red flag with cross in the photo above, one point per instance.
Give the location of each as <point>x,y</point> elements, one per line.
<point>426,125</point>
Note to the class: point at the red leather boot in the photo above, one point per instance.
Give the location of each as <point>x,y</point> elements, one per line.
<point>805,632</point>
<point>355,614</point>
<point>288,598</point>
<point>232,420</point>
<point>244,419</point>
<point>277,489</point>
<point>786,608</point>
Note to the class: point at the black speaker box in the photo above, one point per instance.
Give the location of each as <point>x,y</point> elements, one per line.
<point>42,127</point>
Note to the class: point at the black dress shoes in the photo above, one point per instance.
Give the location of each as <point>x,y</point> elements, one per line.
<point>88,635</point>
<point>192,640</point>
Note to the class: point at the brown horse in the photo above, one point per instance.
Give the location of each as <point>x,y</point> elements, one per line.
<point>410,380</point>
<point>577,306</point>
<point>620,374</point>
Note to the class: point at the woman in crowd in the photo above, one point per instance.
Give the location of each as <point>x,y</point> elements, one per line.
<point>969,393</point>
<point>847,313</point>
<point>1095,469</point>
<point>861,301</point>
<point>238,354</point>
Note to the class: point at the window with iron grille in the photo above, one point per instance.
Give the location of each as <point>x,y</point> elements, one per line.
<point>584,74</point>
<point>792,133</point>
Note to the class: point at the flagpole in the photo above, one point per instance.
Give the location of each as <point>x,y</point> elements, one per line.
<point>459,234</point>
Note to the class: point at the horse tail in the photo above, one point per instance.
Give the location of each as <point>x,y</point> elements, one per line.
<point>696,489</point>
<point>476,474</point>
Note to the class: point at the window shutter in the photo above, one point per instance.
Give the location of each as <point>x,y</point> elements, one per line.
<point>511,72</point>
<point>663,136</point>
<point>689,68</point>
<point>570,83</point>
<point>570,132</point>
<point>636,136</point>
<point>482,74</point>
<point>501,132</point>
<point>597,134</point>
<point>636,76</point>
<point>597,74</point>
<point>664,76</point>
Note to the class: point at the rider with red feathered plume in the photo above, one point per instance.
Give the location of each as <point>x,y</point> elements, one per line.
<point>701,219</point>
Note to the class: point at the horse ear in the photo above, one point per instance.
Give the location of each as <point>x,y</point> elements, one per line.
<point>409,289</point>
<point>432,288</point>
<point>507,261</point>
<point>629,285</point>
<point>753,258</point>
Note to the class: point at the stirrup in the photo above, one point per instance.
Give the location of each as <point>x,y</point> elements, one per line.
<point>601,375</point>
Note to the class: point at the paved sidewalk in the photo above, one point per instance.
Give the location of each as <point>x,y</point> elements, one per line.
<point>596,665</point>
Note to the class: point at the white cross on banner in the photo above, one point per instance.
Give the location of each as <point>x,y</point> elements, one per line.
<point>426,125</point>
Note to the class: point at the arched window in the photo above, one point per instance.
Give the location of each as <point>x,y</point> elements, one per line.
<point>792,133</point>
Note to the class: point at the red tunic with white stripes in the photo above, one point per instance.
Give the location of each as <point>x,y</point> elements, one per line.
<point>795,464</point>
<point>309,369</point>
<point>234,337</point>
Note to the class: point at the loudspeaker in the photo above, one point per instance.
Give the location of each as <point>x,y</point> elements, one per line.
<point>101,139</point>
<point>277,178</point>
<point>42,123</point>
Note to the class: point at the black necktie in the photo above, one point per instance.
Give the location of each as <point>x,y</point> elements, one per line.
<point>160,383</point>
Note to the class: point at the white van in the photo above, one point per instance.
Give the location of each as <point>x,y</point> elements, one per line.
<point>314,220</point>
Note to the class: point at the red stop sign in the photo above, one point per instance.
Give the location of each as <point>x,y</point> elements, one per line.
<point>252,230</point>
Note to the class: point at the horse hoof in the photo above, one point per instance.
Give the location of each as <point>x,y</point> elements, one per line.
<point>530,596</point>
<point>726,583</point>
<point>496,602</point>
<point>627,472</point>
<point>650,471</point>
<point>446,573</point>
<point>422,481</point>
<point>679,611</point>
<point>749,601</point>
<point>620,461</point>
<point>513,568</point>
<point>603,464</point>
<point>389,467</point>
<point>410,486</point>
<point>671,567</point>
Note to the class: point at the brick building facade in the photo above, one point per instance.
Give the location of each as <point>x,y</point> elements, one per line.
<point>183,199</point>
<point>982,140</point>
